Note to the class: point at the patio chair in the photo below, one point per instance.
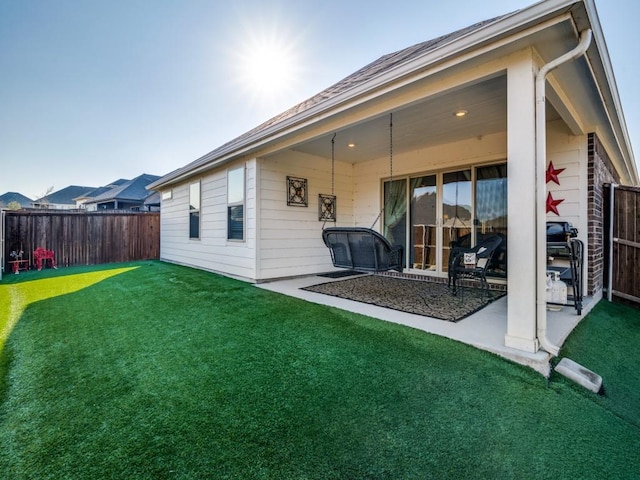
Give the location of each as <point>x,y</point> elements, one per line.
<point>472,263</point>
<point>498,263</point>
<point>362,249</point>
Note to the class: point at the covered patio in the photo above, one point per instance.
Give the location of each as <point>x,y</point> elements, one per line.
<point>460,152</point>
<point>494,129</point>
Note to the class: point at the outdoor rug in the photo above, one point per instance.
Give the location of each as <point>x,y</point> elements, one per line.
<point>411,296</point>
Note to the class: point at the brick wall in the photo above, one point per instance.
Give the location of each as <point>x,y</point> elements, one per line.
<point>600,171</point>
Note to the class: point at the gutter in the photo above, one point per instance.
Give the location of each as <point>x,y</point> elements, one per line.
<point>541,162</point>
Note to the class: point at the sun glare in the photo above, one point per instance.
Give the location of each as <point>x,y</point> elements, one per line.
<point>267,65</point>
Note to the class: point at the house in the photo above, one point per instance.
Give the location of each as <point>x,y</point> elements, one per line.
<point>63,199</point>
<point>151,203</point>
<point>14,198</point>
<point>123,195</point>
<point>503,125</point>
<point>91,194</point>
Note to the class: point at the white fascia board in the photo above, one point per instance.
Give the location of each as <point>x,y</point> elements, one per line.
<point>616,118</point>
<point>491,36</point>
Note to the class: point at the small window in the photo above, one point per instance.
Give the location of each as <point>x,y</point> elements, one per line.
<point>194,210</point>
<point>235,204</point>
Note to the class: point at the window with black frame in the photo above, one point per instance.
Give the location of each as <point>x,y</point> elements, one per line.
<point>235,204</point>
<point>194,210</point>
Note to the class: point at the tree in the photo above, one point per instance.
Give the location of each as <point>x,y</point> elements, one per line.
<point>14,206</point>
<point>43,200</point>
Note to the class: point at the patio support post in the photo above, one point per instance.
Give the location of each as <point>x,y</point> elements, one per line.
<point>521,174</point>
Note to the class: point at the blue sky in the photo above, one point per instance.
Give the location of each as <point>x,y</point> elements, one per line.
<point>92,91</point>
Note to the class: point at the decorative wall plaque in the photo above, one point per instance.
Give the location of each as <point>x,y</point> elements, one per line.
<point>327,208</point>
<point>297,195</point>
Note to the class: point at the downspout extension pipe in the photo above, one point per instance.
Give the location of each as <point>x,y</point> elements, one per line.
<point>541,162</point>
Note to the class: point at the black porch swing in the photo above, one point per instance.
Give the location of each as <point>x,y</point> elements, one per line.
<point>359,248</point>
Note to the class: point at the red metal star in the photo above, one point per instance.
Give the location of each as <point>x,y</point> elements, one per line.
<point>552,205</point>
<point>552,173</point>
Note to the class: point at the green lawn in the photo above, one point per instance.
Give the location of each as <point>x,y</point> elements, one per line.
<point>151,370</point>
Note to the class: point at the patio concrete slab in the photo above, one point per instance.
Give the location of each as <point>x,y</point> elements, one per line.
<point>485,329</point>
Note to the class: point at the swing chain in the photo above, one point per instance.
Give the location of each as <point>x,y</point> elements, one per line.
<point>333,163</point>
<point>391,147</point>
<point>333,170</point>
<point>390,167</point>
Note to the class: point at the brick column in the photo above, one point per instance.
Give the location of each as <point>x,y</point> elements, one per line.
<point>600,171</point>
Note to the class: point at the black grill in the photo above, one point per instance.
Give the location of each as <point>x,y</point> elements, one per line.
<point>560,231</point>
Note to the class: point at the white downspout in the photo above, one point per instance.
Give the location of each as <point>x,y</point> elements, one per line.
<point>541,163</point>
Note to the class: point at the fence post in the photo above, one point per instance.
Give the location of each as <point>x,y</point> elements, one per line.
<point>1,242</point>
<point>612,188</point>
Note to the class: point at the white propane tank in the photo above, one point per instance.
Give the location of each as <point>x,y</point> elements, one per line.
<point>558,290</point>
<point>549,284</point>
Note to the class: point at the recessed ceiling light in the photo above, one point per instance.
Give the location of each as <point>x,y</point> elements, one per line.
<point>351,145</point>
<point>460,113</point>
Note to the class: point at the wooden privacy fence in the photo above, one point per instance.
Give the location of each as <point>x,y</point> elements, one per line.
<point>83,238</point>
<point>622,233</point>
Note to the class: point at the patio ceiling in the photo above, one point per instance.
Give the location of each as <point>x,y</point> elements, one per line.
<point>432,121</point>
<point>424,124</point>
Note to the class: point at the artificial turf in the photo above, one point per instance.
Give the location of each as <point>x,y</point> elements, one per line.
<point>608,342</point>
<point>151,370</point>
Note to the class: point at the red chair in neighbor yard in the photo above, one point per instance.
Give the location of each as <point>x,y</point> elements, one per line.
<point>41,255</point>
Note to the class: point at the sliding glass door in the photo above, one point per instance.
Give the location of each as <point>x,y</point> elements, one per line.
<point>491,211</point>
<point>423,213</point>
<point>428,214</point>
<point>456,212</point>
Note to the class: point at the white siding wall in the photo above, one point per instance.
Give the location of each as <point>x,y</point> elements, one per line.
<point>212,251</point>
<point>291,236</point>
<point>368,176</point>
<point>571,153</point>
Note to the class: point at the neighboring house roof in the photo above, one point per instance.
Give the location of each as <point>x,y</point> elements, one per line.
<point>372,80</point>
<point>65,196</point>
<point>131,190</point>
<point>7,198</point>
<point>100,190</point>
<point>153,200</point>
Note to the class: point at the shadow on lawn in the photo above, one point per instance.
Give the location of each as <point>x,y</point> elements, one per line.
<point>18,292</point>
<point>31,287</point>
